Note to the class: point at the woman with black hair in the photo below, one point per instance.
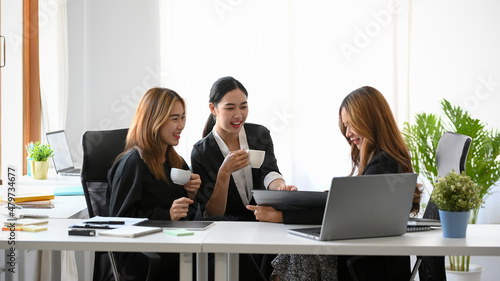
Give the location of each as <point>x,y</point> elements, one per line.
<point>221,157</point>
<point>221,160</point>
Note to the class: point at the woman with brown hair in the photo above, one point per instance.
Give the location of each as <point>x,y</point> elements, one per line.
<point>139,181</point>
<point>377,147</point>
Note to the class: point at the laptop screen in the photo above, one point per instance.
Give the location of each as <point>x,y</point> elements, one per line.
<point>62,155</point>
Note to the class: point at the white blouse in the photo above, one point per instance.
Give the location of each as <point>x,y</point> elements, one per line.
<point>243,177</point>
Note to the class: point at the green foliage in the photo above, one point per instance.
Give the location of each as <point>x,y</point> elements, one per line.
<point>456,193</point>
<point>422,140</point>
<point>483,164</point>
<point>39,152</point>
<point>483,161</point>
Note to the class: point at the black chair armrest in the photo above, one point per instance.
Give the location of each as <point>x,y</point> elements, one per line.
<point>154,264</point>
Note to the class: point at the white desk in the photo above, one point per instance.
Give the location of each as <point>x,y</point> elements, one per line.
<point>56,238</point>
<point>53,179</point>
<point>65,207</point>
<point>228,239</point>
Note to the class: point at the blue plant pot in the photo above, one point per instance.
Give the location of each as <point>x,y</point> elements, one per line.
<point>454,224</point>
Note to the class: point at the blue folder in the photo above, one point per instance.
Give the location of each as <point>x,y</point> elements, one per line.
<point>68,190</point>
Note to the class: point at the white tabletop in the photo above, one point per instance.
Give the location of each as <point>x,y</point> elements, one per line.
<point>57,238</point>
<point>258,237</point>
<point>228,239</point>
<point>52,179</point>
<point>64,206</point>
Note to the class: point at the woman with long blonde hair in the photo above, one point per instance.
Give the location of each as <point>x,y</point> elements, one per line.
<point>139,181</point>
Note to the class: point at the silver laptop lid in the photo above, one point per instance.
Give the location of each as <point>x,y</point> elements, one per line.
<point>62,155</point>
<point>368,206</point>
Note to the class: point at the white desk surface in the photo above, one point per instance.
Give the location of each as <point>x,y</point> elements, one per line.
<point>57,238</point>
<point>228,239</point>
<point>64,206</point>
<point>53,179</point>
<point>258,237</point>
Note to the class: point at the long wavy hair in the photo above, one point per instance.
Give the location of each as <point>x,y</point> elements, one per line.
<point>371,117</point>
<point>143,135</point>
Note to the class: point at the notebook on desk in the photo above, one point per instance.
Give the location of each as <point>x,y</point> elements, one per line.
<point>365,206</point>
<point>63,162</point>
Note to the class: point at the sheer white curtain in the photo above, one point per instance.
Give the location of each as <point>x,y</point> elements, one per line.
<point>53,50</point>
<point>297,59</point>
<point>53,63</point>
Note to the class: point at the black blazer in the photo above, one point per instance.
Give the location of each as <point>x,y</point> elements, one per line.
<point>206,159</point>
<point>134,192</point>
<point>377,267</point>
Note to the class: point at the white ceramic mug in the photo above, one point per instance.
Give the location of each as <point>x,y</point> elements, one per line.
<point>256,158</point>
<point>180,176</point>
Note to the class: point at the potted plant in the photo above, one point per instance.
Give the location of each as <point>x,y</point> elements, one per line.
<point>483,162</point>
<point>455,196</point>
<point>39,154</point>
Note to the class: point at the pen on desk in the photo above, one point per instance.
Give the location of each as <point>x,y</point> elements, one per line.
<point>104,222</point>
<point>90,225</point>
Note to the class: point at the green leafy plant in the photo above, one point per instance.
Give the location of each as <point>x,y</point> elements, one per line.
<point>483,161</point>
<point>456,193</point>
<point>39,152</point>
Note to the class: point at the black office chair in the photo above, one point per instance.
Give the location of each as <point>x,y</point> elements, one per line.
<point>451,154</point>
<point>100,148</point>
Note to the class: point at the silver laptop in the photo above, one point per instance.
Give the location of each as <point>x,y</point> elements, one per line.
<point>63,162</point>
<point>365,206</point>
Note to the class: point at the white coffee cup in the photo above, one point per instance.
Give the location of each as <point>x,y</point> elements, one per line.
<point>256,158</point>
<point>180,176</point>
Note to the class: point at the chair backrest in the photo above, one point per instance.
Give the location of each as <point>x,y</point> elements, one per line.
<point>451,154</point>
<point>100,148</point>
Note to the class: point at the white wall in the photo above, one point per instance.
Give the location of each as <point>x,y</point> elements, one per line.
<point>114,59</point>
<point>289,55</point>
<point>298,61</point>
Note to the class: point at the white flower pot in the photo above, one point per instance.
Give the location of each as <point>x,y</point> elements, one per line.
<point>474,274</point>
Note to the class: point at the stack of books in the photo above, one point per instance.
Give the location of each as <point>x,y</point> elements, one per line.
<point>41,201</point>
<point>421,224</point>
<point>32,225</point>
